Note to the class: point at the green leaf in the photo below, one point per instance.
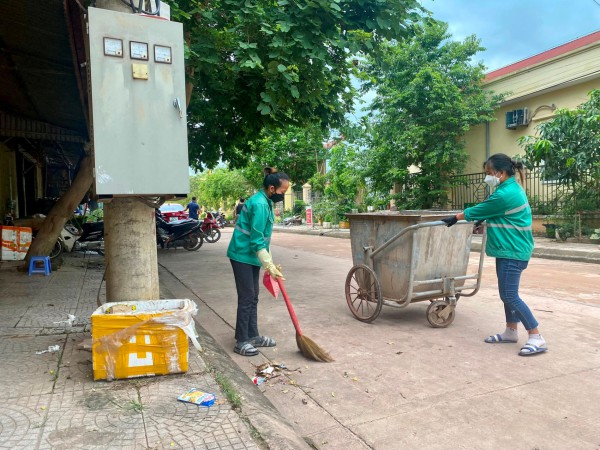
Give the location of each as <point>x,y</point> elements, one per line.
<point>284,26</point>
<point>264,109</point>
<point>294,91</point>
<point>281,68</point>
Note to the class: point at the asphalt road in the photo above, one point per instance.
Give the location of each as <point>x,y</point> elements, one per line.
<point>397,382</point>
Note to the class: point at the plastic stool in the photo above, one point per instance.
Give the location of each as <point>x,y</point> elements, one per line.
<point>33,267</point>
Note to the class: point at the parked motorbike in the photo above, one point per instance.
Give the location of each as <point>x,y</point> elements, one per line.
<point>294,220</point>
<point>210,228</point>
<point>71,239</point>
<point>220,218</point>
<point>180,233</point>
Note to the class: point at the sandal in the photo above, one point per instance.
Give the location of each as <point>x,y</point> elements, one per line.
<point>498,339</point>
<point>245,349</point>
<point>263,341</point>
<point>530,349</point>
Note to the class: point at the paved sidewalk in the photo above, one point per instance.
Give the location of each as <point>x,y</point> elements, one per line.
<point>50,400</point>
<point>544,247</point>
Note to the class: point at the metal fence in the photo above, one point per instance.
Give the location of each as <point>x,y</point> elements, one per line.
<point>545,197</point>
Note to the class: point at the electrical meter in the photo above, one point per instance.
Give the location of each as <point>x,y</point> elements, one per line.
<point>162,54</point>
<point>113,47</point>
<point>138,50</point>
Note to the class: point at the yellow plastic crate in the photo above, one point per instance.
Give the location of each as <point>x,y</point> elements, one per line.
<point>142,338</point>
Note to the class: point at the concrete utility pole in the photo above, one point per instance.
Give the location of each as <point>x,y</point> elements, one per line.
<point>130,237</point>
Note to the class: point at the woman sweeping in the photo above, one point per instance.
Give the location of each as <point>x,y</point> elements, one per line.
<point>510,241</point>
<point>248,251</point>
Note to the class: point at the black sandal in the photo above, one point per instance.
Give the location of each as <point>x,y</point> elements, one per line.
<point>263,341</point>
<point>245,349</point>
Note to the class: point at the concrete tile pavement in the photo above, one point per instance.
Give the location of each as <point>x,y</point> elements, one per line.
<point>50,400</point>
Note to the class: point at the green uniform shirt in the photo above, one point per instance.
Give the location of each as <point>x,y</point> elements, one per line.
<point>508,217</point>
<point>253,229</point>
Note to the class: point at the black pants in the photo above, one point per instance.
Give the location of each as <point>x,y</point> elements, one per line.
<point>246,283</point>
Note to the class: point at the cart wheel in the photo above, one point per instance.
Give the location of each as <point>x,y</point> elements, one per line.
<point>435,317</point>
<point>363,293</point>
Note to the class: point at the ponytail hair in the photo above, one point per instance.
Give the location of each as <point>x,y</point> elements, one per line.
<point>502,162</point>
<point>273,178</point>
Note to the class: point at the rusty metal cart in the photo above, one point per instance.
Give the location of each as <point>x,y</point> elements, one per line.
<point>410,256</point>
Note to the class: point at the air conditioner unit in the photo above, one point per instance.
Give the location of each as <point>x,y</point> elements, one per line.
<point>517,118</point>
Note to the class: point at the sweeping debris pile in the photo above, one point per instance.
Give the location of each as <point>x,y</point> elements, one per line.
<point>266,371</point>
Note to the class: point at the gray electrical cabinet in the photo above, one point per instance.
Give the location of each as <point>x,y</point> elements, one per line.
<point>139,124</point>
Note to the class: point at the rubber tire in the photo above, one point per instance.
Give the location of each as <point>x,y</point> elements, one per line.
<point>376,293</point>
<point>433,318</point>
<point>213,236</point>
<point>56,250</point>
<point>193,242</point>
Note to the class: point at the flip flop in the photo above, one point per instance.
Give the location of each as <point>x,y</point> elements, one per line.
<point>263,341</point>
<point>498,339</point>
<point>530,349</point>
<point>245,349</point>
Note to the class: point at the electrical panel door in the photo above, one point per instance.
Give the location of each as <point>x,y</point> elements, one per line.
<point>139,124</point>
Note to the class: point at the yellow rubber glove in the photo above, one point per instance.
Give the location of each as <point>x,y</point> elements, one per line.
<point>267,262</point>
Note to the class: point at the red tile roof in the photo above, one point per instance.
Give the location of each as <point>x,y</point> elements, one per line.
<point>544,56</point>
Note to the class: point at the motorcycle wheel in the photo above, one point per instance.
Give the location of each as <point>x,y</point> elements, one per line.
<point>56,250</point>
<point>213,235</point>
<point>192,242</point>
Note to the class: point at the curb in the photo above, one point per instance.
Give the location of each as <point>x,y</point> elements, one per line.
<point>315,232</point>
<point>276,433</point>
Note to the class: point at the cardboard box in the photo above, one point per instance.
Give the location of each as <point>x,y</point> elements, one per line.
<point>142,338</point>
<point>15,243</point>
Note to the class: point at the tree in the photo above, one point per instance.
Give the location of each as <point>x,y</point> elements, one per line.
<point>256,64</point>
<point>567,148</point>
<point>296,151</point>
<point>221,187</point>
<point>429,94</point>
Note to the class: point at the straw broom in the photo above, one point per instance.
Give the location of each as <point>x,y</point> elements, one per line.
<point>307,346</point>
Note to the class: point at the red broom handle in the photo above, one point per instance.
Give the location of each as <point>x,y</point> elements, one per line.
<point>289,306</point>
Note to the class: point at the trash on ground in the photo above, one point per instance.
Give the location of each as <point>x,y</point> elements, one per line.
<point>197,397</point>
<point>69,322</point>
<point>266,371</point>
<point>50,349</point>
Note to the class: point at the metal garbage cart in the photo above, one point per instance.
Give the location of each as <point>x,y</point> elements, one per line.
<point>401,257</point>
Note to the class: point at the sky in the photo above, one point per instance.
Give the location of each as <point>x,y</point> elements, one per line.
<point>512,30</point>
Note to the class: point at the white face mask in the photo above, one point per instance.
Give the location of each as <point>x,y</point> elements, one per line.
<point>491,180</point>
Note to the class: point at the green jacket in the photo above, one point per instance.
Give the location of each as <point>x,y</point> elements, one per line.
<point>253,229</point>
<point>508,217</point>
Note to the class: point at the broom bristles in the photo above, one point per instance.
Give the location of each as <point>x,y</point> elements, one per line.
<point>311,350</point>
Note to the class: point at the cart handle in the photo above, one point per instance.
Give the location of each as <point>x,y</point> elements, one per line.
<point>371,253</point>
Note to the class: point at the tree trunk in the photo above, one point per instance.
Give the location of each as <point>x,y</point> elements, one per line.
<point>61,212</point>
<point>130,245</point>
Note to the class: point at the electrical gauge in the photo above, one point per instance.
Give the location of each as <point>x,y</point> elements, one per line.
<point>162,54</point>
<point>113,47</point>
<point>138,50</point>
